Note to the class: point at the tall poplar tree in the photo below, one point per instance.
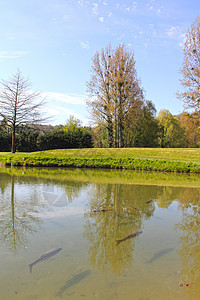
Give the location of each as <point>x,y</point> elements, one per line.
<point>99,91</point>
<point>113,90</point>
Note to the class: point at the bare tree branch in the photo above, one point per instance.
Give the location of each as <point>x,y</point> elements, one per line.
<point>191,68</point>
<point>19,104</point>
<point>113,89</point>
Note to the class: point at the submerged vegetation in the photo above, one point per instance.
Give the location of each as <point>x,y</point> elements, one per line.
<point>167,160</point>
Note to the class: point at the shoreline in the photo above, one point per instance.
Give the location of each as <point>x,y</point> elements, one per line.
<point>184,160</point>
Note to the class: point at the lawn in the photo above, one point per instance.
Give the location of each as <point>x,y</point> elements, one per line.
<point>179,154</point>
<point>185,160</point>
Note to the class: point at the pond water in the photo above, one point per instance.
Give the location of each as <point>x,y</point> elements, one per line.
<point>85,216</point>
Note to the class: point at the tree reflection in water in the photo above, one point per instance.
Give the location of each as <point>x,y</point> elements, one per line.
<point>189,241</point>
<point>24,197</point>
<point>18,215</point>
<point>126,209</point>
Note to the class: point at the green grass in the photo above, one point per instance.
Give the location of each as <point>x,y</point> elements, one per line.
<point>185,160</point>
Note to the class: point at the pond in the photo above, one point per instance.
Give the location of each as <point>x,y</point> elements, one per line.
<point>113,235</point>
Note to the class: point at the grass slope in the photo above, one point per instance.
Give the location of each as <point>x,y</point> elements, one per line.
<point>152,159</point>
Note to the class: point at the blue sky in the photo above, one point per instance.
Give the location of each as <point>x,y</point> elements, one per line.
<point>53,41</point>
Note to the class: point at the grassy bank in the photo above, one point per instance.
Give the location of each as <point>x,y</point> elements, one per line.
<point>185,160</point>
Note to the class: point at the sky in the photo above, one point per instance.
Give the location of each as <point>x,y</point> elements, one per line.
<point>52,42</point>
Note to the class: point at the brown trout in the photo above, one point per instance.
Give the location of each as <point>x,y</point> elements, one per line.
<point>44,256</point>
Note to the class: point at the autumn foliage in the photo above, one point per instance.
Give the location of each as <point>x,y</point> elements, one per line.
<point>191,68</point>
<point>115,96</point>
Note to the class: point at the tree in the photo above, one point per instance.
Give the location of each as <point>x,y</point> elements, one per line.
<point>5,139</point>
<point>113,90</point>
<point>191,124</point>
<point>141,127</point>
<point>81,137</point>
<point>172,134</point>
<point>71,124</point>
<point>26,140</point>
<point>191,68</point>
<point>146,131</point>
<point>72,135</point>
<point>3,125</point>
<point>100,136</point>
<point>18,104</point>
<point>99,90</point>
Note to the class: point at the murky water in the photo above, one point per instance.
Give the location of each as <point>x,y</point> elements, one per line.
<point>85,218</point>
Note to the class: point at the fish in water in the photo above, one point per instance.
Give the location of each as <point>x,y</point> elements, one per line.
<point>101,209</point>
<point>130,207</point>
<point>73,281</point>
<point>149,201</point>
<point>130,236</point>
<point>159,254</point>
<point>44,256</point>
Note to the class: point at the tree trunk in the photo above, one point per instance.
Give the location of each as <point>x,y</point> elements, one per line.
<point>110,133</point>
<point>120,117</point>
<point>13,140</point>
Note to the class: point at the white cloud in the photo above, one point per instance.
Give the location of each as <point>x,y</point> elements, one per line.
<point>81,2</point>
<point>95,8</point>
<point>11,54</point>
<point>65,98</point>
<point>182,40</point>
<point>174,32</point>
<point>85,45</point>
<point>59,106</point>
<point>134,5</point>
<point>60,114</point>
<point>117,5</point>
<point>153,8</point>
<point>101,19</point>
